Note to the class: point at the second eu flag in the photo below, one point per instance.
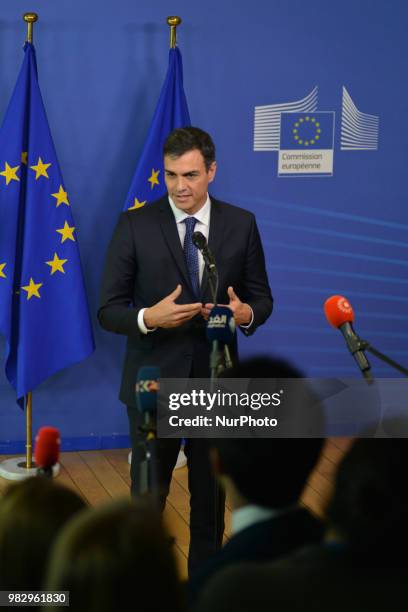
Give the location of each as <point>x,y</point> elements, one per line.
<point>171,112</point>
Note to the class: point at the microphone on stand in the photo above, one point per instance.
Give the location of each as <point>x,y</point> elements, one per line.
<point>339,314</point>
<point>220,332</point>
<point>47,450</point>
<point>200,241</point>
<point>147,385</point>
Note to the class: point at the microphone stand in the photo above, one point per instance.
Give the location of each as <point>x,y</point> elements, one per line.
<point>366,346</point>
<point>147,480</point>
<point>218,362</point>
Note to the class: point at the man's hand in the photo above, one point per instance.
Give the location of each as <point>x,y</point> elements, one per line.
<point>242,312</point>
<point>167,313</point>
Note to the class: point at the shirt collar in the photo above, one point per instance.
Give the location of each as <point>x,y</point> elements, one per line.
<point>248,515</point>
<point>203,215</point>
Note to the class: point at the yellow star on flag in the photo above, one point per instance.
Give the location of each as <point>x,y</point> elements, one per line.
<point>137,204</point>
<point>32,289</point>
<point>61,196</point>
<point>10,173</point>
<point>153,180</point>
<point>40,169</point>
<point>56,264</point>
<point>2,266</point>
<point>66,232</point>
<point>24,156</point>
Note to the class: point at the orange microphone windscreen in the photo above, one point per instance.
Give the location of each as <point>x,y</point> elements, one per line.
<point>338,310</point>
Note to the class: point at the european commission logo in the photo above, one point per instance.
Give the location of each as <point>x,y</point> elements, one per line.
<point>304,136</point>
<point>306,144</point>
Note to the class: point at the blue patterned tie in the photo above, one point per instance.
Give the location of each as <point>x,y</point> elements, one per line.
<point>191,255</point>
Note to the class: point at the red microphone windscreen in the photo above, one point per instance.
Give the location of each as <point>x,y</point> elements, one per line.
<point>338,310</point>
<point>47,447</point>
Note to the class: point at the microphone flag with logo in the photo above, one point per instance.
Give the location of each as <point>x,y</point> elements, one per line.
<point>171,113</point>
<point>43,307</point>
<point>147,387</point>
<point>221,325</point>
<point>340,314</point>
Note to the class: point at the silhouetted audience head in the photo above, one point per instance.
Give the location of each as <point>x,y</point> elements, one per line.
<point>299,414</point>
<point>263,366</point>
<point>116,557</point>
<point>272,471</point>
<point>369,507</point>
<point>32,512</point>
<point>266,472</point>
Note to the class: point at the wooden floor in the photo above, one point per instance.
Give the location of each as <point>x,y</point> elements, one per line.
<point>99,476</point>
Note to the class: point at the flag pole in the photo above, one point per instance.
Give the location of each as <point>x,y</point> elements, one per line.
<point>30,19</point>
<point>29,431</point>
<point>173,22</point>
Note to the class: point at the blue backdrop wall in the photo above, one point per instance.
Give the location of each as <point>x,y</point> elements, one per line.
<point>101,67</point>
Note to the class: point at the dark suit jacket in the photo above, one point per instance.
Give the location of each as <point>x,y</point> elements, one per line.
<point>261,542</point>
<point>316,579</point>
<point>145,262</point>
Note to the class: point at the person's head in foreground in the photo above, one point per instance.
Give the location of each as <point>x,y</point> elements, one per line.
<point>369,508</point>
<point>270,472</point>
<point>115,557</point>
<point>32,512</point>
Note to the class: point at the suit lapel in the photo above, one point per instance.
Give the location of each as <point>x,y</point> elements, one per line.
<point>172,238</point>
<point>215,239</point>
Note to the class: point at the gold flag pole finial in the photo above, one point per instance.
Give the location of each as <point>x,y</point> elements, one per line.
<point>173,22</point>
<point>30,18</point>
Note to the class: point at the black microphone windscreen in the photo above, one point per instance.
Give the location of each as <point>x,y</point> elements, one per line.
<point>199,240</point>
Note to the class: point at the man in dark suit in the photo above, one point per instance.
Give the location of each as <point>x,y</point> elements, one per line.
<point>155,291</point>
<point>264,479</point>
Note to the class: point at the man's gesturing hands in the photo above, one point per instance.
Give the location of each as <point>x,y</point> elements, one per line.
<point>167,313</point>
<point>241,311</point>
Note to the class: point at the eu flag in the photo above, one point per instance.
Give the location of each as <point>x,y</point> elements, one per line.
<point>171,112</point>
<point>43,308</point>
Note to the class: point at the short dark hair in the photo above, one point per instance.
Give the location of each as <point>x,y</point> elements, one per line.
<point>32,513</point>
<point>271,472</point>
<point>369,506</point>
<point>182,140</point>
<point>108,553</point>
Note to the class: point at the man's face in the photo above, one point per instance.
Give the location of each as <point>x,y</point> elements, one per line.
<point>187,180</point>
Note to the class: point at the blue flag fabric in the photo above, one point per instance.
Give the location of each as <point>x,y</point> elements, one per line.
<point>171,112</point>
<point>43,307</point>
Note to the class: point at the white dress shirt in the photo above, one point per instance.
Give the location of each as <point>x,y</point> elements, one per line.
<point>249,515</point>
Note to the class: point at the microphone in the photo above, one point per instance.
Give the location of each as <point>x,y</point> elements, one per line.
<point>221,325</point>
<point>200,241</point>
<point>147,385</point>
<point>220,330</point>
<point>47,450</point>
<point>339,313</point>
